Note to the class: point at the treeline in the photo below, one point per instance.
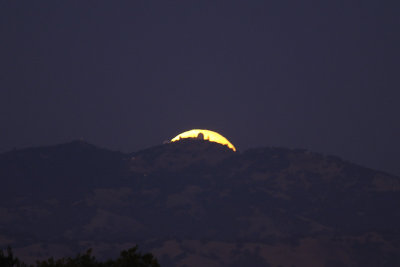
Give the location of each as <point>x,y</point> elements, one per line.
<point>131,257</point>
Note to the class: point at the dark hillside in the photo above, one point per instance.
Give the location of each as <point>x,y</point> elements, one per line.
<point>198,203</point>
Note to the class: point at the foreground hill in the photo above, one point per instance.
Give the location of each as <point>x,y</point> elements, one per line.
<point>197,203</point>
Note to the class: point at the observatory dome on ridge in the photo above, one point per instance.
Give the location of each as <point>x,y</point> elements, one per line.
<point>204,135</point>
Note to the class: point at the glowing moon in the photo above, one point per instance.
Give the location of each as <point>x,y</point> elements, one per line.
<point>206,135</point>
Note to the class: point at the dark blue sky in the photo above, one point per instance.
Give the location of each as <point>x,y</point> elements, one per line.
<point>127,75</point>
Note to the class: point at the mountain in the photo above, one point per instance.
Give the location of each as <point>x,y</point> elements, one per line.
<point>197,203</point>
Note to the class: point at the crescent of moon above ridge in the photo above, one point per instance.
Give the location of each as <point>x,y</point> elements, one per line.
<point>206,135</point>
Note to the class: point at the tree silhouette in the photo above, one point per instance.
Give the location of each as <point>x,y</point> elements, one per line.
<point>9,260</point>
<point>128,258</point>
<point>132,257</point>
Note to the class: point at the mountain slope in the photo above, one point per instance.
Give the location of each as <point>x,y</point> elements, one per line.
<point>195,202</point>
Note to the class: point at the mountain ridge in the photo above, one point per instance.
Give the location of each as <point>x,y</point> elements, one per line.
<point>195,202</point>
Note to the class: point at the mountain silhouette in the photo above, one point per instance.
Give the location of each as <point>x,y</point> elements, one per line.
<point>197,203</point>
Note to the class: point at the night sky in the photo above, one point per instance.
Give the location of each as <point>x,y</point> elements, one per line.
<point>127,75</point>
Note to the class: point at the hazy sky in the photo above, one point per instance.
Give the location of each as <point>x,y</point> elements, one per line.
<point>127,75</point>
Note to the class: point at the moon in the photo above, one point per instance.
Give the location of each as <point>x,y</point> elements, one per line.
<point>206,135</point>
